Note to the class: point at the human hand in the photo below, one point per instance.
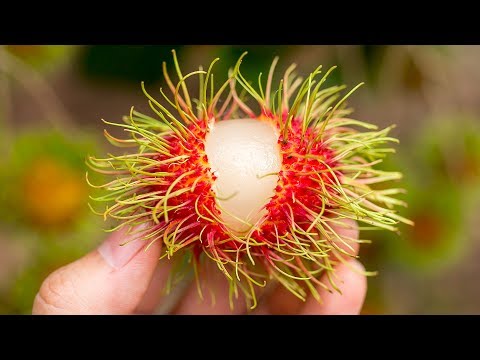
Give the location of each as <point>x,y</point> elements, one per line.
<point>128,280</point>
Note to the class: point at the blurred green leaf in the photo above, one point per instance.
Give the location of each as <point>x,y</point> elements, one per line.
<point>125,63</point>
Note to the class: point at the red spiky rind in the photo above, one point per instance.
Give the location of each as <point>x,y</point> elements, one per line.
<point>327,175</point>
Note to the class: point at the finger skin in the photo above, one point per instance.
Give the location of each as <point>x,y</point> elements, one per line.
<point>353,286</point>
<point>92,285</point>
<point>216,284</point>
<point>283,302</point>
<point>348,231</point>
<point>155,294</point>
<point>95,285</point>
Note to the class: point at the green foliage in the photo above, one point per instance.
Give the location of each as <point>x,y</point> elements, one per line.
<point>125,64</point>
<point>29,148</point>
<point>50,241</point>
<point>442,167</point>
<point>45,58</point>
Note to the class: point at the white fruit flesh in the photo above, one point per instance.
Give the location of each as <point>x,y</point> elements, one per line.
<point>245,157</point>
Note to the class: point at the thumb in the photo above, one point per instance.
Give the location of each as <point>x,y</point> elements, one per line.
<point>110,280</point>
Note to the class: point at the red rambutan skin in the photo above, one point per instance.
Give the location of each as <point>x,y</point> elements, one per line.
<point>197,232</point>
<point>295,188</point>
<point>294,191</point>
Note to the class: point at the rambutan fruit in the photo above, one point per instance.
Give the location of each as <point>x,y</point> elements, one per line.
<point>260,191</point>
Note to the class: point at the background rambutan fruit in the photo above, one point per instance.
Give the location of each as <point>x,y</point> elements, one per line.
<point>258,189</point>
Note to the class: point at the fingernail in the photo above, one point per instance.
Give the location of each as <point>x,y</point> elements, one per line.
<point>118,250</point>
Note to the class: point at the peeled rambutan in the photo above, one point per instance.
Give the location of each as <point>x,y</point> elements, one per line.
<point>258,192</point>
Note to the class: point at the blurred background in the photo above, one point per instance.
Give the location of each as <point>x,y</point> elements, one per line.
<point>53,97</point>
